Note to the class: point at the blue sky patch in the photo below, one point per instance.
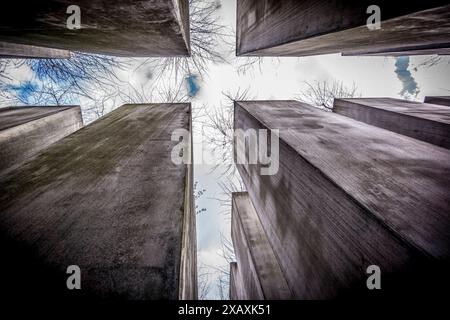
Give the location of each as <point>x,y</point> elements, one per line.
<point>192,85</point>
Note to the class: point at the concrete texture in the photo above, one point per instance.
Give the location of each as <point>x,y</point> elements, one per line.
<point>261,277</point>
<point>109,199</point>
<point>188,264</point>
<point>26,131</point>
<point>348,195</point>
<point>234,282</point>
<point>399,52</point>
<point>312,27</point>
<point>130,28</point>
<point>443,101</point>
<point>13,50</point>
<point>423,121</point>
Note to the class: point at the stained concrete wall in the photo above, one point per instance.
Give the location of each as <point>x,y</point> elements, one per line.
<point>443,101</point>
<point>423,121</point>
<point>109,199</point>
<point>262,277</point>
<point>26,131</point>
<point>131,28</point>
<point>399,52</point>
<point>14,50</point>
<point>348,195</point>
<point>188,265</point>
<point>311,27</point>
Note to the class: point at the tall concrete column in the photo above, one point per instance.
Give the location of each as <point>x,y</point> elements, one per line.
<point>311,27</point>
<point>110,200</point>
<point>422,121</point>
<point>26,131</point>
<point>348,196</point>
<point>261,277</point>
<point>14,50</point>
<point>235,283</point>
<point>443,101</point>
<point>129,28</point>
<point>403,51</point>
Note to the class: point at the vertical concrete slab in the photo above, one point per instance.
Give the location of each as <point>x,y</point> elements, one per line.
<point>188,289</point>
<point>131,28</point>
<point>262,278</point>
<point>423,121</point>
<point>346,196</point>
<point>109,199</point>
<point>14,50</point>
<point>403,51</point>
<point>311,27</point>
<point>443,101</point>
<point>26,131</point>
<point>235,281</point>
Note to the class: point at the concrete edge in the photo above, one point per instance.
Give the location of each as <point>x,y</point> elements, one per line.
<point>353,102</point>
<point>60,109</point>
<point>23,51</point>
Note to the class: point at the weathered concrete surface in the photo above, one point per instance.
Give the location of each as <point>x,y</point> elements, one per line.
<point>399,52</point>
<point>348,195</point>
<point>26,131</point>
<point>188,265</point>
<point>312,27</point>
<point>234,281</point>
<point>443,101</point>
<point>131,28</point>
<point>14,50</point>
<point>423,121</point>
<point>109,199</point>
<point>261,275</point>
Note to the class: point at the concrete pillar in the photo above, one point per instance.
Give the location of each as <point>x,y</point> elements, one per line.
<point>311,27</point>
<point>348,195</point>
<point>399,52</point>
<point>260,273</point>
<point>109,199</point>
<point>131,28</point>
<point>14,50</point>
<point>422,121</point>
<point>443,101</point>
<point>234,282</point>
<point>26,131</point>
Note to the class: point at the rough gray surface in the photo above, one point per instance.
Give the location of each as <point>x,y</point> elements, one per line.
<point>25,131</point>
<point>131,28</point>
<point>399,52</point>
<point>234,281</point>
<point>261,275</point>
<point>443,101</point>
<point>14,50</point>
<point>188,268</point>
<point>312,27</point>
<point>423,121</point>
<point>109,199</point>
<point>348,195</point>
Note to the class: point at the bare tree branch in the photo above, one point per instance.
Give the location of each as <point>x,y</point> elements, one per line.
<point>204,281</point>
